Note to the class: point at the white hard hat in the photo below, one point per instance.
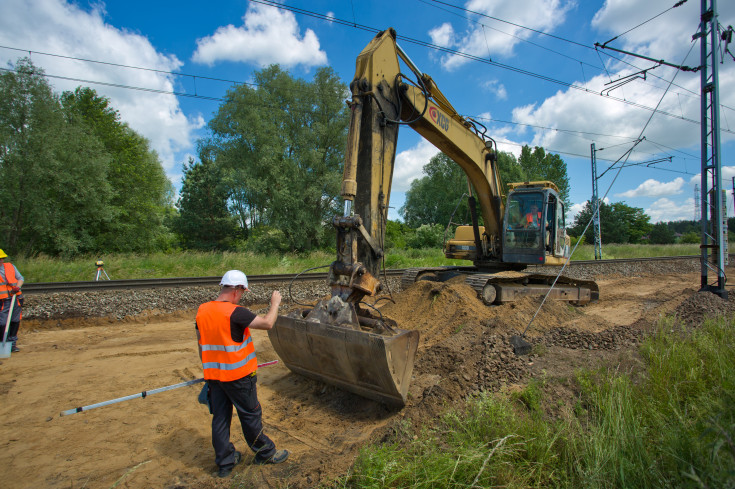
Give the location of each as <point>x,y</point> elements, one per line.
<point>233,278</point>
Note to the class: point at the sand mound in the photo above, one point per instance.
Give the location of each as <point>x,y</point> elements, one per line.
<point>438,308</point>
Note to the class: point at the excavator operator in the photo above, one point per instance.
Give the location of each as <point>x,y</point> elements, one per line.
<point>533,217</point>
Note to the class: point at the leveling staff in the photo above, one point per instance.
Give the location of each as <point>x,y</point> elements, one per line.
<point>228,358</point>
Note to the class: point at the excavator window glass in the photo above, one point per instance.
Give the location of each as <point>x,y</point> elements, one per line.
<point>525,218</point>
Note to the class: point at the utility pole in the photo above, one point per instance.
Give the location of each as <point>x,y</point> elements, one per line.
<point>697,203</point>
<point>713,245</point>
<point>596,206</point>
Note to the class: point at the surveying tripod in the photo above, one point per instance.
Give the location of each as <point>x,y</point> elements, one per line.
<point>101,271</point>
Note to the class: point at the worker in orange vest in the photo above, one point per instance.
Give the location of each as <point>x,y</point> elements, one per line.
<point>10,283</point>
<point>533,218</point>
<point>228,359</point>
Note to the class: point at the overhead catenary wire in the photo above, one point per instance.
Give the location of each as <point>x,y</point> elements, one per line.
<point>219,99</point>
<point>560,38</point>
<point>471,57</point>
<point>677,4</point>
<point>620,169</point>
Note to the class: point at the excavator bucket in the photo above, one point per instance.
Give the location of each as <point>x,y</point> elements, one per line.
<point>331,344</point>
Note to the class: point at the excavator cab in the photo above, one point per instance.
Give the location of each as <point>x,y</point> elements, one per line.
<point>534,231</point>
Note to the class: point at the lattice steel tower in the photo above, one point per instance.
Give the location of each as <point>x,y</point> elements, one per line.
<point>713,247</point>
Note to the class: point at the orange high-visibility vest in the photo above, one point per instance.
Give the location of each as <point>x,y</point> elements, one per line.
<point>10,281</point>
<point>222,358</point>
<point>531,219</point>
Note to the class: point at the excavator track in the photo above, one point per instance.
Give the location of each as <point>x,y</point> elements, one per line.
<point>509,286</point>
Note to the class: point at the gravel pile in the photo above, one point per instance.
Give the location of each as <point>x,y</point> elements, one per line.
<point>123,303</point>
<point>631,269</point>
<point>610,339</point>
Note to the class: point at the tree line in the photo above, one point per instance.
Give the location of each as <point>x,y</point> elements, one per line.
<point>78,180</point>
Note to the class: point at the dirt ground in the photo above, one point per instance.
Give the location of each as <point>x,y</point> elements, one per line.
<point>163,441</point>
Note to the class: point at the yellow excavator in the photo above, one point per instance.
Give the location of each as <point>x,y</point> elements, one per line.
<point>343,344</point>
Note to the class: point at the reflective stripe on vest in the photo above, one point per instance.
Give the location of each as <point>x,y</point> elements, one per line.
<point>10,281</point>
<point>222,358</point>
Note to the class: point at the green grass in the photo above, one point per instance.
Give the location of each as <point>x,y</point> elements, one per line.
<point>619,251</point>
<point>672,426</point>
<point>201,264</point>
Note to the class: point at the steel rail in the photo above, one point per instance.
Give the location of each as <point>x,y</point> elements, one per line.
<point>154,283</point>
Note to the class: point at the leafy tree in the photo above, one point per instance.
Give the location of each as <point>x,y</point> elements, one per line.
<point>281,148</point>
<point>540,165</point>
<point>54,173</point>
<point>510,169</point>
<point>204,221</point>
<point>619,223</point>
<point>396,234</point>
<point>433,198</point>
<point>661,234</point>
<point>427,236</point>
<point>141,192</point>
<point>691,238</point>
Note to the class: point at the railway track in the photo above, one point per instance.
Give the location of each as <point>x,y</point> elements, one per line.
<point>158,283</point>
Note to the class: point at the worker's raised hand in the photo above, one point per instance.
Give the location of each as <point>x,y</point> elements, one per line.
<point>276,298</point>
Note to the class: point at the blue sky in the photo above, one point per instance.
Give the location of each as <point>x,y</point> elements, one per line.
<point>534,77</point>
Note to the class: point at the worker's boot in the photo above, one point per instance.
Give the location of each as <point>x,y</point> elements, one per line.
<point>13,335</point>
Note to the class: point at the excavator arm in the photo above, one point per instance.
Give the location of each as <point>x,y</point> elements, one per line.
<point>339,342</point>
<point>383,99</point>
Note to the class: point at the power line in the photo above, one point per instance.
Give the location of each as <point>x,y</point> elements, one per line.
<point>475,58</point>
<point>219,99</point>
<point>235,82</point>
<point>510,23</point>
<point>577,155</point>
<point>108,63</point>
<point>677,4</point>
<point>127,87</point>
<point>548,35</point>
<point>506,33</point>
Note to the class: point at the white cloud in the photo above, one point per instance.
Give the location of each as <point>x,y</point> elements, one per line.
<point>668,37</point>
<point>487,38</point>
<point>726,175</point>
<point>664,210</point>
<point>442,35</point>
<point>410,163</point>
<point>268,36</point>
<point>575,209</point>
<point>654,188</point>
<point>58,27</point>
<point>654,38</point>
<point>496,88</point>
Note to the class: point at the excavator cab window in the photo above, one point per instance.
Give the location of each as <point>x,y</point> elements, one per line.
<point>525,221</point>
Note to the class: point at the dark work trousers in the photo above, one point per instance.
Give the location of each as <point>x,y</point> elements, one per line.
<point>241,394</point>
<point>14,321</point>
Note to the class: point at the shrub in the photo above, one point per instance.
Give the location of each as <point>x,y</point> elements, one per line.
<point>267,240</point>
<point>427,236</point>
